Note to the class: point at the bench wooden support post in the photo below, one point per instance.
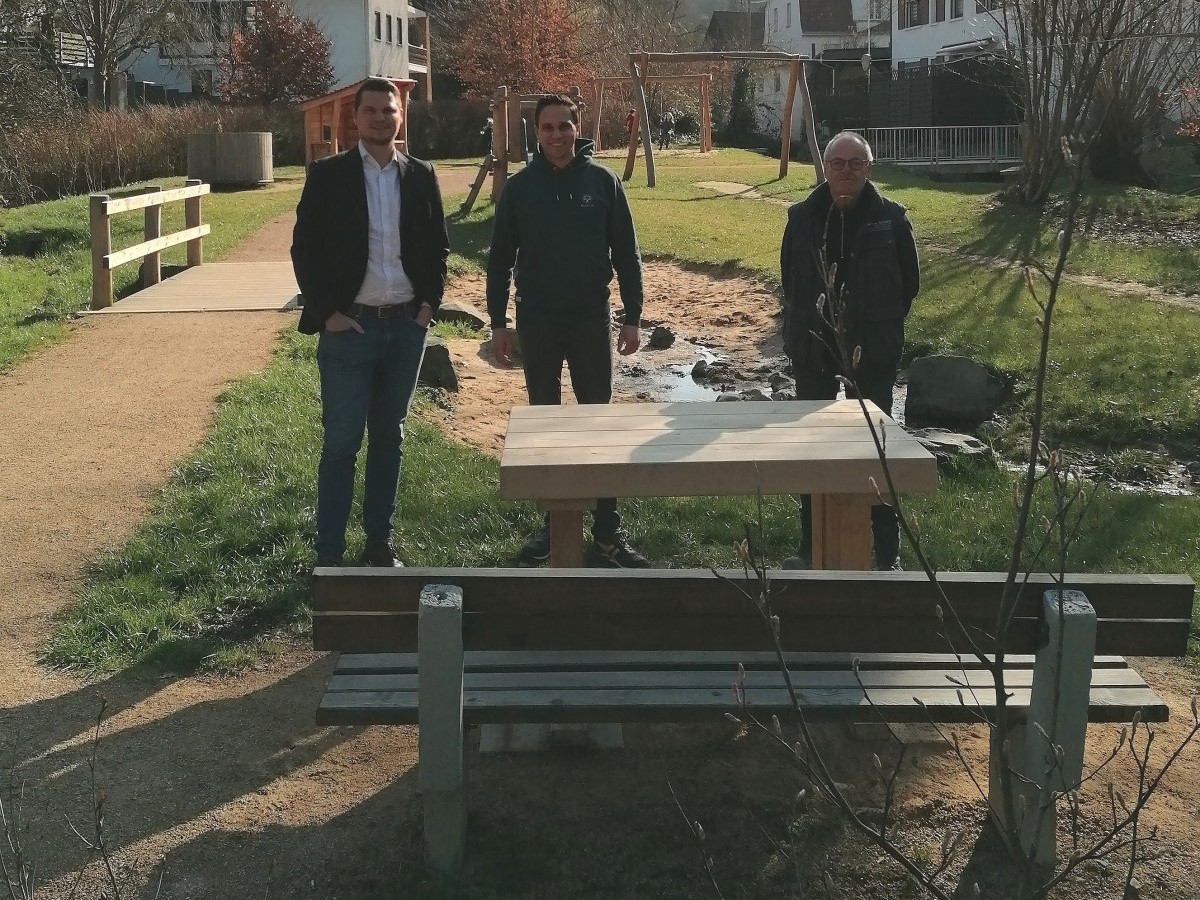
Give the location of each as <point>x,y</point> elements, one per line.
<point>1047,750</point>
<point>442,771</point>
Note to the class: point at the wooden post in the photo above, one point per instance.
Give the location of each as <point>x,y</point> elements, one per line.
<point>705,115</point>
<point>101,233</point>
<point>428,60</point>
<point>515,129</point>
<point>631,155</point>
<point>192,218</point>
<point>639,85</point>
<point>441,774</point>
<point>484,169</point>
<point>598,96</point>
<point>499,142</point>
<point>810,122</point>
<point>335,127</point>
<point>152,262</point>
<point>785,144</point>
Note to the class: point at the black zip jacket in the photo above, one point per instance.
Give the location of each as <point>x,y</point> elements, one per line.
<point>560,233</point>
<point>878,275</point>
<point>330,240</point>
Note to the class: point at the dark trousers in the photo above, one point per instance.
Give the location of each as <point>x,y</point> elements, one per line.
<point>587,351</point>
<point>885,527</point>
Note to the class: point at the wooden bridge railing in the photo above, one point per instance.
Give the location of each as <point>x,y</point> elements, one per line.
<point>101,208</point>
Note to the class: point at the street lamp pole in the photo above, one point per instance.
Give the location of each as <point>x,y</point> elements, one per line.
<point>866,66</point>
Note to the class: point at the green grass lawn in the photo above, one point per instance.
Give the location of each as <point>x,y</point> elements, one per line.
<point>39,294</point>
<point>221,567</point>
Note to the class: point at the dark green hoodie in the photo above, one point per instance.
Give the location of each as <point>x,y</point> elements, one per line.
<point>565,231</point>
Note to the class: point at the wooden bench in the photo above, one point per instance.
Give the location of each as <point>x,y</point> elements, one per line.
<point>588,645</point>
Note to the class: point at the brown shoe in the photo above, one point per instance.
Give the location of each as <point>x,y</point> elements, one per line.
<point>380,554</point>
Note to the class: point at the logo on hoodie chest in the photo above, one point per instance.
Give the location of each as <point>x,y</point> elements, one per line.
<point>587,201</point>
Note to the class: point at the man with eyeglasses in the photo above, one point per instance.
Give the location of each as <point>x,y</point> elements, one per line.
<point>851,244</point>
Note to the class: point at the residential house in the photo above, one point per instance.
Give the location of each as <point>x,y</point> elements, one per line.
<point>735,30</point>
<point>836,35</point>
<point>367,37</point>
<point>929,32</point>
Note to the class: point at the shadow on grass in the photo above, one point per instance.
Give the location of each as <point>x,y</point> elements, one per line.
<point>31,243</point>
<point>472,239</point>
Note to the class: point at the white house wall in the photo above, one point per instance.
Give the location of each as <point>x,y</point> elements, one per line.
<point>782,31</point>
<point>348,24</point>
<point>344,23</point>
<point>922,42</point>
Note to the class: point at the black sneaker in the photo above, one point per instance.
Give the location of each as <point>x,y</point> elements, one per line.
<point>616,553</point>
<point>380,554</point>
<point>537,548</point>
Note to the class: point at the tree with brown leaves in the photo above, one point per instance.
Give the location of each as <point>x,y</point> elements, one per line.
<point>528,45</point>
<point>279,58</point>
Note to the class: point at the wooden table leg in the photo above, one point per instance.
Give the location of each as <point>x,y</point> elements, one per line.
<point>841,531</point>
<point>566,538</point>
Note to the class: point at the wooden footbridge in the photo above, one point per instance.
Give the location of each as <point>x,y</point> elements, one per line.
<point>216,287</point>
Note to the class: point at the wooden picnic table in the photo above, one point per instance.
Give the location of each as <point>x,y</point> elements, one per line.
<point>565,457</point>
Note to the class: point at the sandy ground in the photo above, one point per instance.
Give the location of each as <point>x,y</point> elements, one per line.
<point>224,788</point>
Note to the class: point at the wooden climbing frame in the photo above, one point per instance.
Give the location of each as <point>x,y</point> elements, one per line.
<point>702,83</point>
<point>639,73</point>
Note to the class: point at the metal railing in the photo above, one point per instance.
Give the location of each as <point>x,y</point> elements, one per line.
<point>950,143</point>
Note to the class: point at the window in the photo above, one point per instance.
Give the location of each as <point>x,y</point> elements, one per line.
<point>913,13</point>
<point>378,25</point>
<point>956,9</point>
<point>389,29</point>
<point>778,84</point>
<point>774,18</point>
<point>789,15</point>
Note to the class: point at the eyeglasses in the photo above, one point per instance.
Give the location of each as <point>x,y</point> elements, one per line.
<point>854,165</point>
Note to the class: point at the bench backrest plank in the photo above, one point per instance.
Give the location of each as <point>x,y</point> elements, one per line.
<point>369,610</point>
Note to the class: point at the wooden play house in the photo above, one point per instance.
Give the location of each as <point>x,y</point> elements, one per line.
<point>329,121</point>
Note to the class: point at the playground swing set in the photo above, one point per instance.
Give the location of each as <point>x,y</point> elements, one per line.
<point>508,111</point>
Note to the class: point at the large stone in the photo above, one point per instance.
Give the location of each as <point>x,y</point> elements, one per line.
<point>951,389</point>
<point>661,338</point>
<point>462,314</point>
<point>945,444</point>
<point>437,369</point>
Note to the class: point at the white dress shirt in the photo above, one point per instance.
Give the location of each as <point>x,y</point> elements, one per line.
<point>386,281</point>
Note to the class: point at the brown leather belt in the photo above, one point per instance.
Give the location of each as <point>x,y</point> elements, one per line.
<point>390,311</point>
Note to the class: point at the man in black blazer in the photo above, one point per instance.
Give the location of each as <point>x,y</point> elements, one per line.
<point>369,250</point>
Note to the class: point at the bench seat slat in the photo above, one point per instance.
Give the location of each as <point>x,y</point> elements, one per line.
<point>656,705</point>
<point>382,633</point>
<point>675,660</point>
<point>719,680</point>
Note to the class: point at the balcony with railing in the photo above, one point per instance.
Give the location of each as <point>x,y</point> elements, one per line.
<point>418,57</point>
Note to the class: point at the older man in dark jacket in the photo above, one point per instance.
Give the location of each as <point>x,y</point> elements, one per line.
<point>846,228</point>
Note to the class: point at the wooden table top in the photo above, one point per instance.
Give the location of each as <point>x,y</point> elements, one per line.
<point>704,449</point>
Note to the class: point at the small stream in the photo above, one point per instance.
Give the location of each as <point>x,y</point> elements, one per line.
<point>669,375</point>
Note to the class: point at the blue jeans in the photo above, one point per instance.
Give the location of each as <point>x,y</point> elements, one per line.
<point>367,383</point>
